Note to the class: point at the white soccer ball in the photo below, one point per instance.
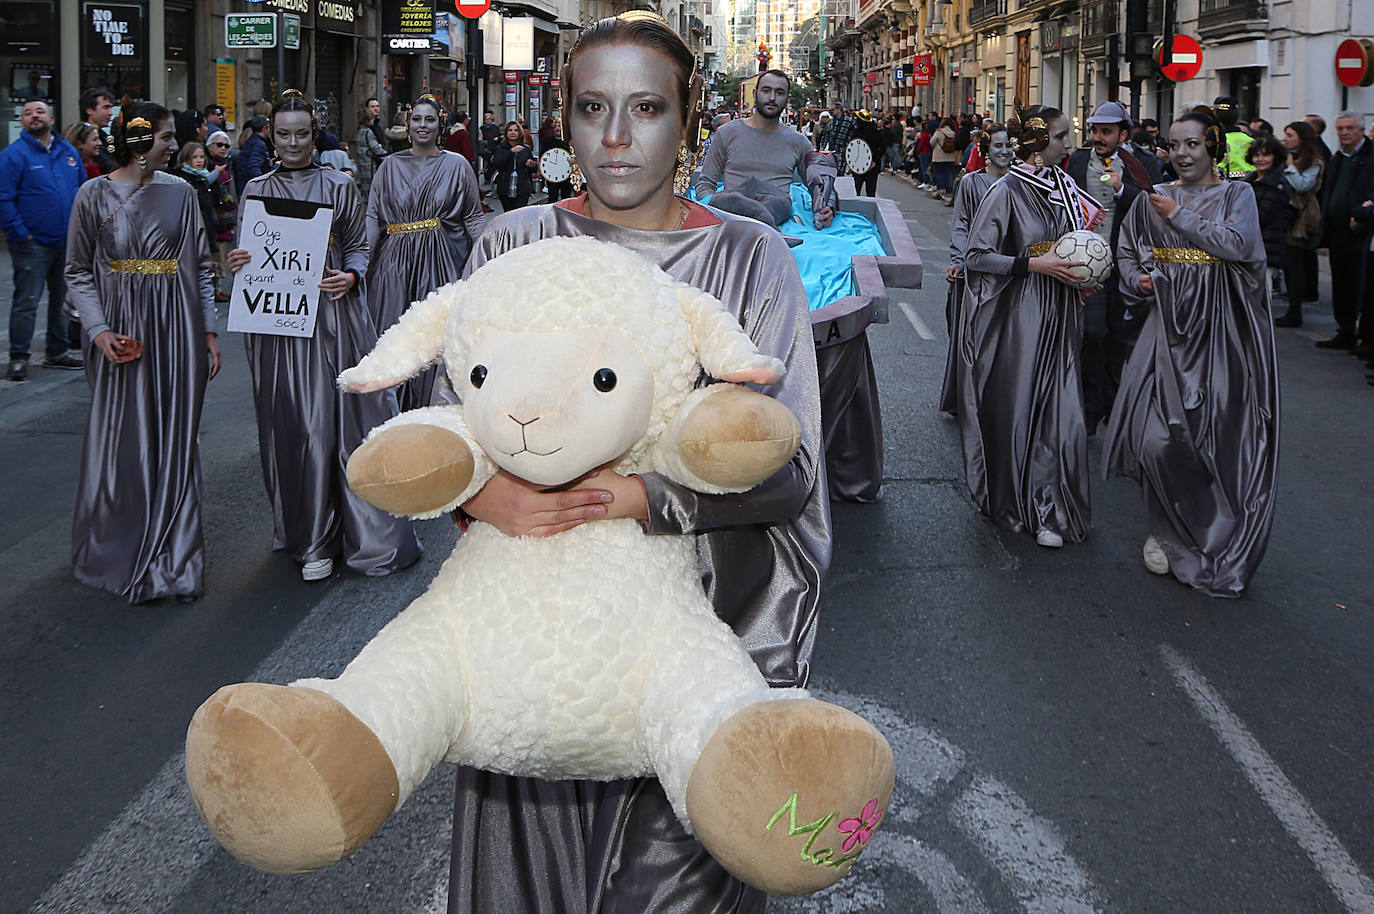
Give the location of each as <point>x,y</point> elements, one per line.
<point>1087,248</point>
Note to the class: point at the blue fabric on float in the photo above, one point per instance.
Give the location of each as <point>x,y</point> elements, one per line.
<point>823,257</point>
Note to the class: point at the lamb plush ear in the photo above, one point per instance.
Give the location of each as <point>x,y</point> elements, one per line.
<point>410,346</point>
<point>725,351</point>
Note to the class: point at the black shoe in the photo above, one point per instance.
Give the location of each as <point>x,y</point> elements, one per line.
<point>19,371</point>
<point>1363,351</point>
<point>1341,340</point>
<point>1289,319</point>
<point>65,360</point>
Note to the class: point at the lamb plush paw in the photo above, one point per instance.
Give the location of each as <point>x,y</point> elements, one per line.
<point>286,777</point>
<point>411,469</point>
<point>787,794</point>
<point>736,438</point>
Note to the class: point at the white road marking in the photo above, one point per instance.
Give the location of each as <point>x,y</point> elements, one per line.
<point>1028,853</point>
<point>154,849</point>
<point>1299,819</point>
<point>917,324</point>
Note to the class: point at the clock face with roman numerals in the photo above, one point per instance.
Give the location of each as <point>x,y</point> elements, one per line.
<point>555,165</point>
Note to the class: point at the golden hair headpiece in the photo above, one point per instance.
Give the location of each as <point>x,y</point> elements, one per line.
<point>292,93</point>
<point>637,15</point>
<point>140,122</point>
<point>1036,123</point>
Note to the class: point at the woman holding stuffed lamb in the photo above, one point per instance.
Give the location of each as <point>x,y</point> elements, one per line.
<point>307,428</point>
<point>1197,416</point>
<point>577,847</point>
<point>423,217</point>
<point>1021,410</point>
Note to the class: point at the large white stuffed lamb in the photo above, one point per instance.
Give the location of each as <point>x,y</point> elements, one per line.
<point>590,654</point>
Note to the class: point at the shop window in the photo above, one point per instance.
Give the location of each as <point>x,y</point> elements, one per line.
<point>28,61</point>
<point>114,48</point>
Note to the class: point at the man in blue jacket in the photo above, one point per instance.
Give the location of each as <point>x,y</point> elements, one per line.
<point>39,175</point>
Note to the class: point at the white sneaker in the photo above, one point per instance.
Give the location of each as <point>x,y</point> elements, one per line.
<point>1049,538</point>
<point>317,570</point>
<point>1156,562</point>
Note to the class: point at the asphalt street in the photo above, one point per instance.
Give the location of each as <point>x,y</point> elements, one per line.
<point>1073,734</point>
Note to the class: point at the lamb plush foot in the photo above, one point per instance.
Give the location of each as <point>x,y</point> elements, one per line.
<point>286,777</point>
<point>787,794</point>
<point>411,469</point>
<point>735,438</point>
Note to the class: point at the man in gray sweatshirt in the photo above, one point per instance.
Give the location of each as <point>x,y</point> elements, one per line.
<point>757,158</point>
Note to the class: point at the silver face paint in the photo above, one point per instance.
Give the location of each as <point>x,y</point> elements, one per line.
<point>627,124</point>
<point>1188,152</point>
<point>1059,141</point>
<point>423,126</point>
<point>293,138</point>
<point>1001,152</point>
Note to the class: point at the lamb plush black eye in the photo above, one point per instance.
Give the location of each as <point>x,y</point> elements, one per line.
<point>479,374</point>
<point>604,379</point>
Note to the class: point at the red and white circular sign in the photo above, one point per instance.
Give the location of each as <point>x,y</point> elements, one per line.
<point>472,9</point>
<point>1186,61</point>
<point>1353,63</point>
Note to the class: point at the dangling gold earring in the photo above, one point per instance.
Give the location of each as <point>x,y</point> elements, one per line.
<point>1037,160</point>
<point>142,161</point>
<point>682,176</point>
<point>575,176</point>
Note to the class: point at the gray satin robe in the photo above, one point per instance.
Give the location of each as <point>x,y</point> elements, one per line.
<point>137,528</point>
<point>584,847</point>
<point>1021,410</point>
<point>970,192</point>
<point>307,428</point>
<point>1196,420</point>
<point>406,267</point>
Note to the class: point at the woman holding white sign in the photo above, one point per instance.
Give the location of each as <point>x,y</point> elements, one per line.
<point>423,216</point>
<point>139,271</point>
<point>306,428</point>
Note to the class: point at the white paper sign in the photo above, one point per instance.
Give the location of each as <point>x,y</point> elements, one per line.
<point>278,290</point>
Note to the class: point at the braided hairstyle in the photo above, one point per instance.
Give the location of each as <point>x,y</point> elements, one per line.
<point>643,28</point>
<point>1213,136</point>
<point>1035,129</point>
<point>137,126</point>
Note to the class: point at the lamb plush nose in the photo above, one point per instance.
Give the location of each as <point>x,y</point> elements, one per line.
<point>522,422</point>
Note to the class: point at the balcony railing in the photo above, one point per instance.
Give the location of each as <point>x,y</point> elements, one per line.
<point>1099,21</point>
<point>1216,16</point>
<point>983,10</point>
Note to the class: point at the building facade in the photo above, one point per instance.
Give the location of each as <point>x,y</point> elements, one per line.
<point>1277,57</point>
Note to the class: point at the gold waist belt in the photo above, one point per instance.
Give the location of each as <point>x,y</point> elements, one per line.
<point>160,267</point>
<point>1184,255</point>
<point>1040,248</point>
<point>402,228</point>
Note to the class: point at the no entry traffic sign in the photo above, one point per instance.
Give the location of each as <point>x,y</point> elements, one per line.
<point>1355,62</point>
<point>472,9</point>
<point>1186,60</point>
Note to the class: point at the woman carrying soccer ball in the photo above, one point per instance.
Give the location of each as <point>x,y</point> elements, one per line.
<point>1021,401</point>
